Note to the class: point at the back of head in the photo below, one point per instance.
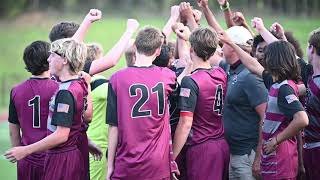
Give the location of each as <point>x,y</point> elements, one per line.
<point>204,42</point>
<point>94,51</point>
<point>130,55</point>
<point>75,52</point>
<point>148,40</point>
<point>281,61</point>
<point>314,40</point>
<point>63,30</point>
<point>257,40</point>
<point>35,57</point>
<point>163,59</point>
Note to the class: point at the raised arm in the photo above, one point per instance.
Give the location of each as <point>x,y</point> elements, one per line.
<point>203,4</point>
<point>225,7</point>
<point>187,16</point>
<point>278,30</point>
<point>252,64</point>
<point>167,30</point>
<point>92,16</point>
<point>183,34</point>
<point>114,55</point>
<point>257,23</point>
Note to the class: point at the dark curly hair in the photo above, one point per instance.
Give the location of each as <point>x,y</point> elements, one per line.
<point>35,57</point>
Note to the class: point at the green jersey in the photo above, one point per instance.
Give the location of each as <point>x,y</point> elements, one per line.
<point>98,129</point>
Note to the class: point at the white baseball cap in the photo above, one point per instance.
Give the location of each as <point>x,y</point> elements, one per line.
<point>240,35</point>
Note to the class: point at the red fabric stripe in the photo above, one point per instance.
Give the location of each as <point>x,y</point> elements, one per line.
<point>186,113</point>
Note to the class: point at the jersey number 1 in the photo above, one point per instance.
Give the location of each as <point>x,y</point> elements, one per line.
<point>136,111</point>
<point>35,103</point>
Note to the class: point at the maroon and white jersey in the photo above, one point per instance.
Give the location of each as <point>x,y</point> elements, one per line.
<point>66,109</point>
<point>138,106</point>
<point>283,103</point>
<point>29,107</point>
<point>202,93</point>
<point>312,131</point>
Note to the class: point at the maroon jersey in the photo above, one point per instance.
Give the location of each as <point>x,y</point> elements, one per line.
<point>203,94</point>
<point>138,105</point>
<point>66,109</point>
<point>29,107</point>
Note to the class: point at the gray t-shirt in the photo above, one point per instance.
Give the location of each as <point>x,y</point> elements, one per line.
<point>245,91</point>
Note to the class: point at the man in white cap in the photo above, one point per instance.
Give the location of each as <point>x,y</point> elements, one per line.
<point>244,109</point>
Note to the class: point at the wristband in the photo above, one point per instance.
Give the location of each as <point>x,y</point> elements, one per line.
<point>225,7</point>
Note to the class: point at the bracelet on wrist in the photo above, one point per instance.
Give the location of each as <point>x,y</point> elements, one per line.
<point>225,7</point>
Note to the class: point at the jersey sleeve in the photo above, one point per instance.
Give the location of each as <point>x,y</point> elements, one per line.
<point>267,79</point>
<point>255,90</point>
<point>112,111</point>
<point>13,116</point>
<point>188,95</point>
<point>63,109</point>
<point>288,102</point>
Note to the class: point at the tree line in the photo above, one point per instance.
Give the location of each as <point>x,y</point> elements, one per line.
<point>11,8</point>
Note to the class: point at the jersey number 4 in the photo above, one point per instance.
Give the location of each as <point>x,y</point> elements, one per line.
<point>35,103</point>
<point>218,101</point>
<point>158,89</point>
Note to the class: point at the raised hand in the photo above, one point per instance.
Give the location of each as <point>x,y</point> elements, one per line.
<point>257,23</point>
<point>222,2</point>
<point>183,33</point>
<point>132,25</point>
<point>176,26</point>
<point>186,11</point>
<point>203,3</point>
<point>175,12</point>
<point>223,37</point>
<point>93,15</point>
<point>197,15</point>
<point>238,19</point>
<point>277,29</point>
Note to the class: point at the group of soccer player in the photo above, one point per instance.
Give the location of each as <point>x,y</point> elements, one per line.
<point>213,104</point>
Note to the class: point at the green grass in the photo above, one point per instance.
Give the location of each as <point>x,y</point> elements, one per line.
<point>7,169</point>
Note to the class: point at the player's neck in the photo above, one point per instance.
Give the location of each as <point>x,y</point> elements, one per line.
<point>67,76</point>
<point>199,63</point>
<point>142,60</point>
<point>45,74</point>
<point>316,68</point>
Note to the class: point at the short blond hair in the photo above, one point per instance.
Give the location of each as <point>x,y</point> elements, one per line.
<point>75,52</point>
<point>94,51</point>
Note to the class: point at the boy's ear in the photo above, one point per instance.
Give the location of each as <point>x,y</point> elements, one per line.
<point>313,50</point>
<point>158,51</point>
<point>65,61</point>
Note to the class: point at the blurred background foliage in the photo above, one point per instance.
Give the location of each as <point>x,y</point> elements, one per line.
<point>12,8</point>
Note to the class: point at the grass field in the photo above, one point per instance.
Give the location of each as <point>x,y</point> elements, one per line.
<point>7,169</point>
<point>15,36</point>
